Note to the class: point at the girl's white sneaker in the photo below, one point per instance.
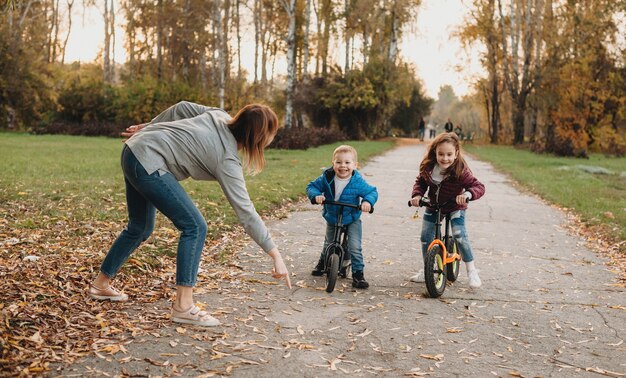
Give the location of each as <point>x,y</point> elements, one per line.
<point>474,280</point>
<point>419,277</point>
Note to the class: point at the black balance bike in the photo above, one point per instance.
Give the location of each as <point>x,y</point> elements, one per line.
<point>337,258</point>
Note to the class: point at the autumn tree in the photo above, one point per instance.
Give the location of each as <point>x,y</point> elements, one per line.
<point>583,108</point>
<point>483,27</point>
<point>25,88</point>
<point>520,26</point>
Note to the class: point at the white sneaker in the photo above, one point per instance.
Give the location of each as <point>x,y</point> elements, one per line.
<point>419,277</point>
<point>474,280</point>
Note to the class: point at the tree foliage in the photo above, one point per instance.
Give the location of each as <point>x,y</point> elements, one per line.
<point>563,71</point>
<point>184,50</point>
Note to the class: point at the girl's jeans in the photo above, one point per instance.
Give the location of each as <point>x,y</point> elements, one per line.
<point>354,234</point>
<point>457,219</point>
<point>144,195</point>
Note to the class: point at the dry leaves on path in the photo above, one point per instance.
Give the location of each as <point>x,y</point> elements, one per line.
<point>46,316</point>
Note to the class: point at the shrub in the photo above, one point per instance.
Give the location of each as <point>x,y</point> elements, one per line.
<point>610,142</point>
<point>92,128</point>
<point>86,100</point>
<point>304,138</point>
<point>142,99</point>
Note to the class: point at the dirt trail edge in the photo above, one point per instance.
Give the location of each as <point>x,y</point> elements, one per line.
<point>548,306</point>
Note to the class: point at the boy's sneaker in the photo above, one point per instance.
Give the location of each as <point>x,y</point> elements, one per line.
<point>346,261</point>
<point>358,281</point>
<point>419,277</point>
<point>474,280</point>
<point>319,269</point>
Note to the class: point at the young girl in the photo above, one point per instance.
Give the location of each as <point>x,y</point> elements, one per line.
<point>446,176</point>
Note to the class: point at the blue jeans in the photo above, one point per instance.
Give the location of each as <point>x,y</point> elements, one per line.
<point>354,234</point>
<point>457,219</point>
<point>144,195</point>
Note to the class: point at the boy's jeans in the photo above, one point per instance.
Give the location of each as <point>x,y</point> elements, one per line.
<point>354,234</point>
<point>144,194</point>
<point>457,219</point>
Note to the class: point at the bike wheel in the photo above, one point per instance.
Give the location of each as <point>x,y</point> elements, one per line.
<point>452,269</point>
<point>333,270</point>
<point>434,274</point>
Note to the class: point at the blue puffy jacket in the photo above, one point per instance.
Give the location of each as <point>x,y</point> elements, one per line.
<point>356,190</point>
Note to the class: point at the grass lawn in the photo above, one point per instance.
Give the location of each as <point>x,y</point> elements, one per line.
<point>576,184</point>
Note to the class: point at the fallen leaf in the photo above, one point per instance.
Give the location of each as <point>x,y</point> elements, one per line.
<point>438,357</point>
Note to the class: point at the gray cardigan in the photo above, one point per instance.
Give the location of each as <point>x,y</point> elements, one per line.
<point>191,140</point>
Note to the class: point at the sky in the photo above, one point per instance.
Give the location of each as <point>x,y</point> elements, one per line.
<point>438,57</point>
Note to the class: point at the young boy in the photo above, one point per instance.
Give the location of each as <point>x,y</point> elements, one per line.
<point>344,183</point>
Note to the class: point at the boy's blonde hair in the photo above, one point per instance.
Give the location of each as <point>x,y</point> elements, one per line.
<point>346,148</point>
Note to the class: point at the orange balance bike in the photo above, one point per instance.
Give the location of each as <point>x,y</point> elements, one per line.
<point>442,258</point>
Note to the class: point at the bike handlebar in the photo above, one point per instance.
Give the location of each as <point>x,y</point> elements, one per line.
<point>344,204</point>
<point>425,202</point>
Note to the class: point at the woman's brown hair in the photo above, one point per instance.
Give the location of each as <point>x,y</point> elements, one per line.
<point>254,126</point>
<point>430,158</point>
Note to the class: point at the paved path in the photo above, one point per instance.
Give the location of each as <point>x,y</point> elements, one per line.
<point>547,306</point>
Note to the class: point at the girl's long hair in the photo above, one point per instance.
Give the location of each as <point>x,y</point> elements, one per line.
<point>430,158</point>
<point>253,127</point>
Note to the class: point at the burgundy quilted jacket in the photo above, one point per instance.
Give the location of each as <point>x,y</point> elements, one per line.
<point>448,189</point>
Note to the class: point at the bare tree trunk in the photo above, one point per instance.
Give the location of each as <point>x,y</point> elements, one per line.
<point>539,46</point>
<point>70,4</point>
<point>203,64</point>
<point>112,36</point>
<point>495,109</point>
<point>107,45</point>
<point>238,28</point>
<point>291,61</point>
<point>346,35</point>
<point>220,48</point>
<point>492,67</point>
<point>305,44</point>
<point>318,31</point>
<point>519,83</point>
<point>186,51</point>
<point>273,50</point>
<point>203,78</point>
<point>50,32</point>
<point>393,38</point>
<point>547,130</point>
<point>131,35</point>
<point>326,14</point>
<point>225,46</point>
<point>366,44</point>
<point>257,34</point>
<point>265,46</point>
<point>159,31</point>
<point>55,39</point>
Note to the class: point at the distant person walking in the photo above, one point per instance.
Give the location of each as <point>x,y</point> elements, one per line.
<point>421,128</point>
<point>432,130</point>
<point>458,130</point>
<point>448,126</point>
<point>189,140</point>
